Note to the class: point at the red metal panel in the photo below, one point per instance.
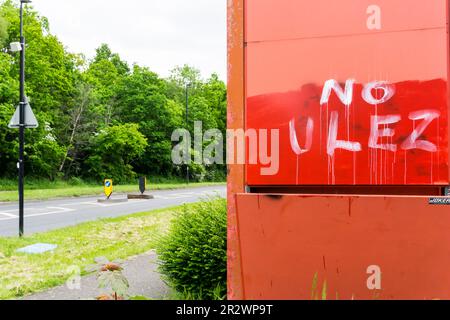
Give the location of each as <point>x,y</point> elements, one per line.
<point>287,239</point>
<point>398,131</point>
<point>287,19</point>
<point>235,116</point>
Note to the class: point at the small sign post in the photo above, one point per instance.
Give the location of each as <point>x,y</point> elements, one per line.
<point>142,189</point>
<point>30,118</point>
<point>142,184</point>
<point>108,187</point>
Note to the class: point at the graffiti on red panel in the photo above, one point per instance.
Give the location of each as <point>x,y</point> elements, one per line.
<point>347,133</point>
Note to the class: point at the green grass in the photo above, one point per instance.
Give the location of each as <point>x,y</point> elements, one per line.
<point>8,184</point>
<point>183,296</point>
<point>44,191</point>
<point>78,246</point>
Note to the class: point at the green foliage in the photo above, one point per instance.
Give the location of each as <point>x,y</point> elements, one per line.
<point>110,276</point>
<point>45,156</point>
<point>197,172</point>
<point>138,298</point>
<point>3,31</point>
<point>219,293</point>
<point>86,106</point>
<point>193,253</point>
<point>315,290</point>
<point>112,151</point>
<point>141,100</point>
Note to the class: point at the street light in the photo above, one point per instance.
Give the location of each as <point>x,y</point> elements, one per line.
<point>16,47</point>
<point>188,85</point>
<point>22,104</point>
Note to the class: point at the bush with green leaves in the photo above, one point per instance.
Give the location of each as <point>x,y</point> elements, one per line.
<point>113,151</point>
<point>193,254</point>
<point>84,102</point>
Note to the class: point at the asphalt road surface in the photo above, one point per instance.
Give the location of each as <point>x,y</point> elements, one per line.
<point>41,216</point>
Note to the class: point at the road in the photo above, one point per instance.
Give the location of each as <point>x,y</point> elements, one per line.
<point>41,216</point>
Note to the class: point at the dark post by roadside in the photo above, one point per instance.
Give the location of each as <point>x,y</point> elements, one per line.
<point>21,165</point>
<point>187,126</point>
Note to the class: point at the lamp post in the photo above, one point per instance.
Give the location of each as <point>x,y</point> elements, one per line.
<point>188,85</point>
<point>22,104</point>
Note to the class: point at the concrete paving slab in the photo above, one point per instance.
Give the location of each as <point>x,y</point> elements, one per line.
<point>142,275</point>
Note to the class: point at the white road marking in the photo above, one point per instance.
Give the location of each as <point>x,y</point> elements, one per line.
<point>69,204</point>
<point>53,210</point>
<point>114,204</point>
<point>58,210</point>
<point>92,203</point>
<point>176,196</point>
<point>8,214</point>
<point>188,195</point>
<point>98,204</point>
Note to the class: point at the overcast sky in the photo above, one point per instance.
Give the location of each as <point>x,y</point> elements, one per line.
<point>159,34</point>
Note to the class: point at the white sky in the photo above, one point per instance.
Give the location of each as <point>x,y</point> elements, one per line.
<point>159,34</point>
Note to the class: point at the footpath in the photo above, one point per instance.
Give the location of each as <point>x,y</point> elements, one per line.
<point>142,275</point>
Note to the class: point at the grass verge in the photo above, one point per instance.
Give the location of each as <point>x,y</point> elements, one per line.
<point>78,246</point>
<point>89,190</point>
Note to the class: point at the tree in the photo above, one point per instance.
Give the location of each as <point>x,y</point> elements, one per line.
<point>80,123</point>
<point>50,78</point>
<point>51,71</point>
<point>179,76</point>
<point>105,74</point>
<point>114,150</point>
<point>207,104</point>
<point>87,109</point>
<point>44,153</point>
<point>105,53</point>
<point>3,31</point>
<point>207,99</point>
<point>9,88</point>
<point>141,99</point>
<point>215,92</point>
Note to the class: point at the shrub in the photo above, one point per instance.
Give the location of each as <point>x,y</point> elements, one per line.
<point>193,254</point>
<point>197,172</point>
<point>113,150</point>
<point>216,173</point>
<point>75,181</point>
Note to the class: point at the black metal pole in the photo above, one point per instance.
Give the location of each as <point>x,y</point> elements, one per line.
<point>187,126</point>
<point>21,126</point>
